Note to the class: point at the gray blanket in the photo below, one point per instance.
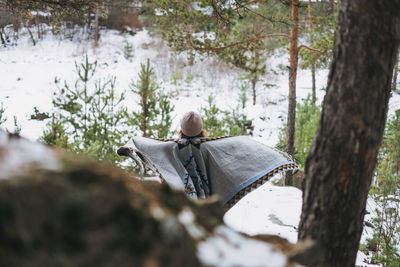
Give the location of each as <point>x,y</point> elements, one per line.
<point>228,167</point>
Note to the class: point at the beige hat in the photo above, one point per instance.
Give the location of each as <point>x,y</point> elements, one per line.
<point>191,124</point>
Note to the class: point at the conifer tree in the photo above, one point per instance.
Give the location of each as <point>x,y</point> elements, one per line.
<point>87,119</point>
<point>3,119</point>
<point>153,118</point>
<point>341,162</point>
<point>386,194</point>
<point>212,27</point>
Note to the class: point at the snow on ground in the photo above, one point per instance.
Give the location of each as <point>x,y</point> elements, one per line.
<point>28,72</point>
<point>276,210</point>
<point>27,76</point>
<point>228,248</point>
<point>269,210</point>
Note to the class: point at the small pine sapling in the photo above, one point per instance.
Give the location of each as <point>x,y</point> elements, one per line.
<point>219,122</point>
<point>17,127</point>
<point>307,120</point>
<point>153,118</point>
<point>87,120</point>
<point>212,117</point>
<point>128,49</point>
<point>165,120</point>
<point>145,88</point>
<point>3,119</point>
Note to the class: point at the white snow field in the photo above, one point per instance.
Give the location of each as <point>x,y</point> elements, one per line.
<point>27,76</point>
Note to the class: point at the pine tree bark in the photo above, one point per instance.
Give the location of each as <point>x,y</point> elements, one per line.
<point>314,87</point>
<point>310,25</point>
<point>3,41</point>
<point>309,13</point>
<point>96,30</point>
<point>342,158</point>
<point>293,59</point>
<point>253,86</point>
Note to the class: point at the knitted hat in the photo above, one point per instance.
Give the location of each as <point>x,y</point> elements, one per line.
<point>191,124</point>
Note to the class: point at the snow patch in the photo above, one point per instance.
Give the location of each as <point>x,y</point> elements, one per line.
<point>19,156</point>
<point>187,218</point>
<point>229,248</point>
<point>268,210</point>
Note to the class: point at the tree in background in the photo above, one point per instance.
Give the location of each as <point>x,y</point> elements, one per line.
<point>252,56</point>
<point>62,16</point>
<point>320,35</point>
<point>58,9</point>
<point>307,120</point>
<point>153,118</point>
<point>52,12</point>
<point>215,26</point>
<point>3,119</point>
<point>219,122</point>
<point>87,120</point>
<point>342,159</point>
<point>386,194</point>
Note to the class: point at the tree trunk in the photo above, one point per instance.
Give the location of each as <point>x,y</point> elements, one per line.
<point>30,33</point>
<point>314,87</point>
<point>309,9</point>
<point>292,85</point>
<point>96,30</point>
<point>333,6</point>
<point>3,41</point>
<point>342,158</point>
<point>253,85</point>
<point>144,119</point>
<point>254,77</point>
<point>310,25</point>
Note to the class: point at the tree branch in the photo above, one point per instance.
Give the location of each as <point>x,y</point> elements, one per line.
<point>219,13</point>
<point>311,49</point>
<point>271,19</point>
<point>243,5</point>
<point>237,43</point>
<point>70,4</point>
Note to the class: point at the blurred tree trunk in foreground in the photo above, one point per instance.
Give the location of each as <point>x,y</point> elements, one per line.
<point>342,158</point>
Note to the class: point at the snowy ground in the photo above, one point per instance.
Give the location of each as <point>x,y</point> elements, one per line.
<point>27,80</point>
<point>27,76</point>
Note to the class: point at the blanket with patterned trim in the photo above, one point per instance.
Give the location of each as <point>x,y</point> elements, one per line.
<point>228,167</point>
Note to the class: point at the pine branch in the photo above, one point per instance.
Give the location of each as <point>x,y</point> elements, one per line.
<point>270,19</point>
<point>219,13</point>
<point>243,5</point>
<point>250,40</point>
<point>311,49</point>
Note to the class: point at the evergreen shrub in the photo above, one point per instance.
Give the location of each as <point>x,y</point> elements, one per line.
<point>385,191</point>
<point>87,119</point>
<point>153,118</point>
<point>219,122</point>
<point>307,120</point>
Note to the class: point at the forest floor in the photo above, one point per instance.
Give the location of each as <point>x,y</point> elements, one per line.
<point>27,75</point>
